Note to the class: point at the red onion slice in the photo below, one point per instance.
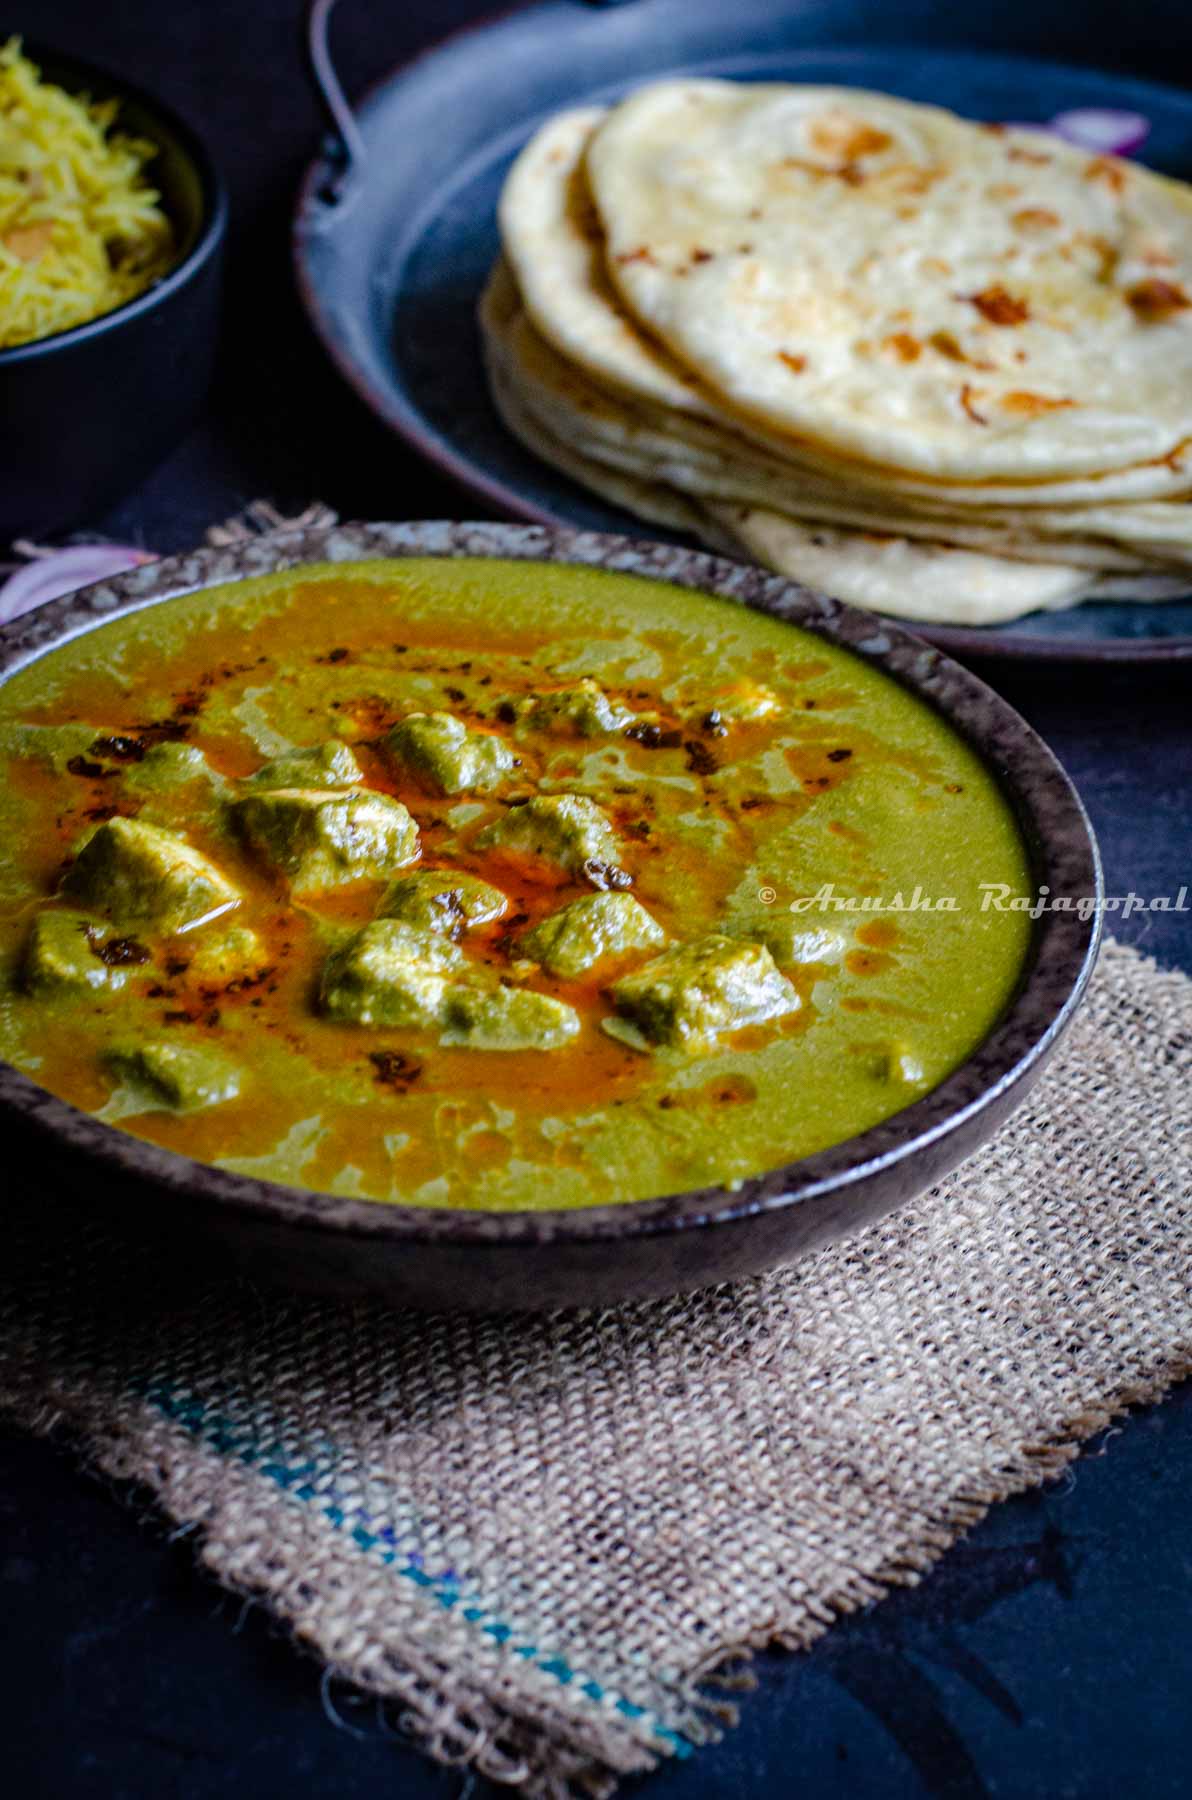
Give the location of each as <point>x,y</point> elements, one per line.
<point>1099,129</point>
<point>1102,129</point>
<point>47,577</point>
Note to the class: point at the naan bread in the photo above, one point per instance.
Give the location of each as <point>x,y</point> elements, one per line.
<point>606,430</point>
<point>893,575</point>
<point>660,505</point>
<point>900,285</point>
<point>926,584</point>
<point>870,484</point>
<point>554,242</point>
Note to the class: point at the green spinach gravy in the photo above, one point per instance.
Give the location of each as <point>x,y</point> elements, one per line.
<point>489,884</point>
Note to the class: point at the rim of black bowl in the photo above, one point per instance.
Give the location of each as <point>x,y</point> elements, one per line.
<point>215,202</point>
<point>1051,817</point>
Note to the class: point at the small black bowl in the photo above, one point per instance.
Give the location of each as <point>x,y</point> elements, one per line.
<point>88,412</point>
<point>491,1261</point>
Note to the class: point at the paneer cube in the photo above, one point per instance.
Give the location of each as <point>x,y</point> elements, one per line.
<point>744,703</point>
<point>790,939</point>
<point>589,931</point>
<point>391,973</point>
<point>687,996</point>
<point>66,951</point>
<point>443,900</point>
<point>166,767</point>
<point>581,710</point>
<point>329,765</point>
<point>222,956</point>
<point>567,830</point>
<point>140,875</point>
<point>320,839</point>
<point>899,1065</point>
<point>502,1018</point>
<point>180,1077</point>
<point>445,756</point>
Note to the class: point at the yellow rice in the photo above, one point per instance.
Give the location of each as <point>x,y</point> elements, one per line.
<point>81,231</point>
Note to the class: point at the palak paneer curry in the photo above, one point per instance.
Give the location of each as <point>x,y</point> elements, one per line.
<point>489,884</point>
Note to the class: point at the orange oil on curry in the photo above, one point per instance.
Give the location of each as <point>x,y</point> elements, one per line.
<point>425,1089</point>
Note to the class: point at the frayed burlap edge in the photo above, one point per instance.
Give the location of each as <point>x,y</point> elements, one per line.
<point>457,1723</point>
<point>450,1719</point>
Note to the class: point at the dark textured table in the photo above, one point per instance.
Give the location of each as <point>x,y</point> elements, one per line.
<point>1047,1656</point>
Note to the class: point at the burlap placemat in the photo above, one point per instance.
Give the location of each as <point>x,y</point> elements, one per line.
<point>545,1541</point>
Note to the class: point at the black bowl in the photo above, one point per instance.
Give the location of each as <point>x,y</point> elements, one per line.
<point>601,1254</point>
<point>88,412</point>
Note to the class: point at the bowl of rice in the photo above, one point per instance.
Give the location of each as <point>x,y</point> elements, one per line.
<point>112,220</point>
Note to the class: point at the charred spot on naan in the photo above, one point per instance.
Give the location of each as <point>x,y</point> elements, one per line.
<point>845,138</point>
<point>1155,300</point>
<point>902,345</point>
<point>1109,172</point>
<point>1035,218</point>
<point>999,306</point>
<point>1028,405</point>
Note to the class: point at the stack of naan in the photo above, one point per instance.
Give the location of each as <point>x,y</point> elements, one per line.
<point>937,368</point>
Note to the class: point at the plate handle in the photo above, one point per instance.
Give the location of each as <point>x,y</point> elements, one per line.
<point>345,146</point>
